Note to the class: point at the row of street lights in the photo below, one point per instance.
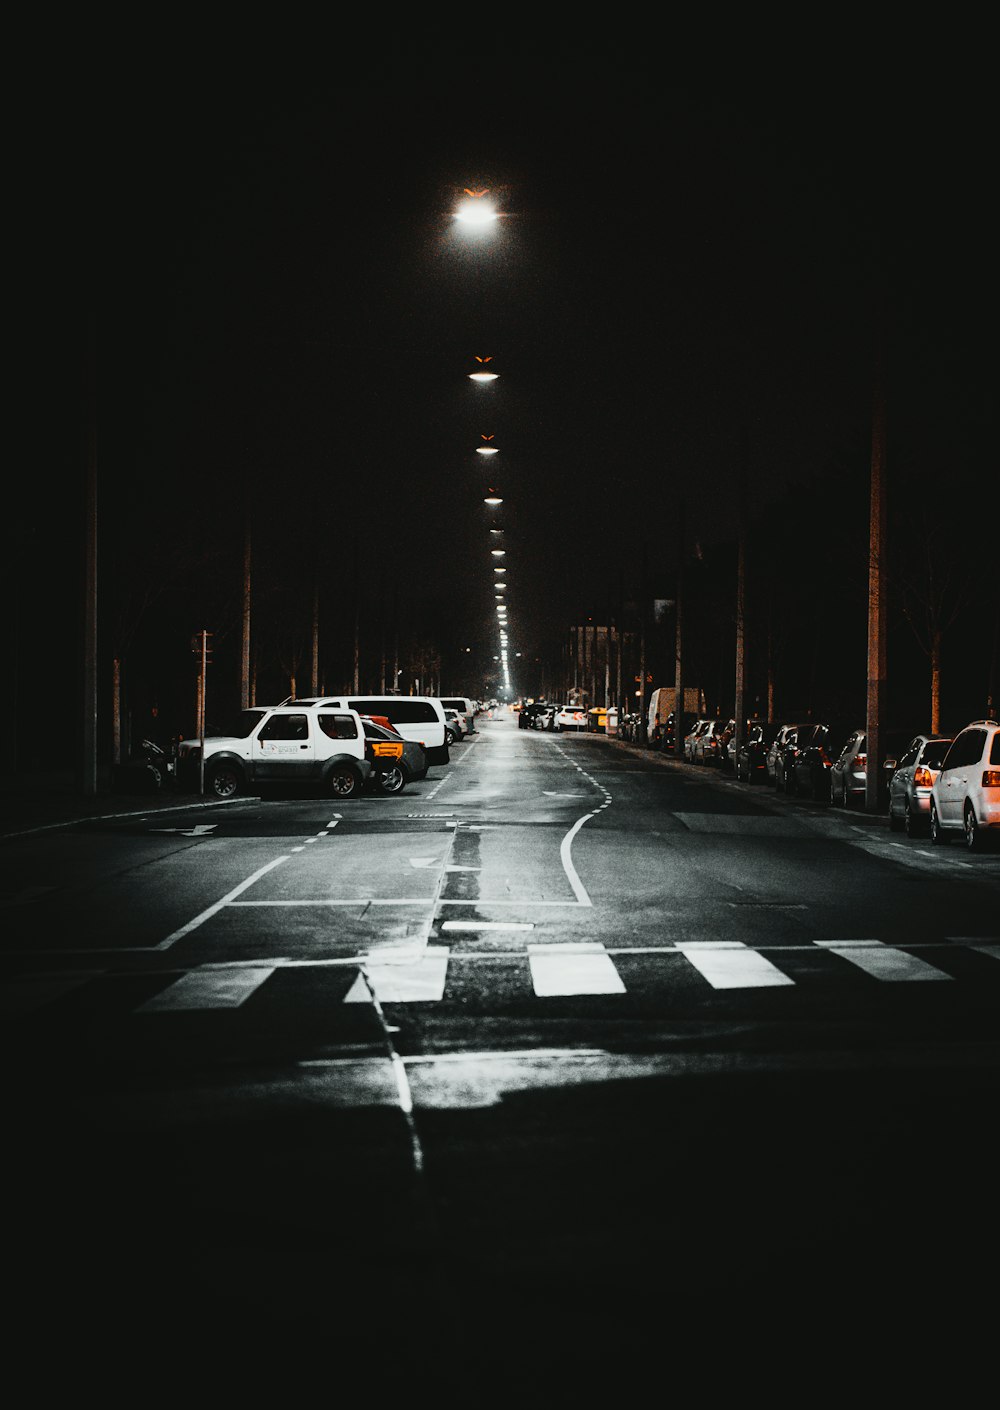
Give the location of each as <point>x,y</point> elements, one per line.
<point>477,213</point>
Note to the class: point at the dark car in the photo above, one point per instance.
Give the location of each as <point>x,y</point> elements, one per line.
<point>412,767</point>
<point>809,760</point>
<point>750,760</point>
<point>849,776</point>
<point>687,725</point>
<point>783,741</point>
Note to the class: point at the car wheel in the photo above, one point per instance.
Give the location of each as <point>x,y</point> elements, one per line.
<point>975,840</point>
<point>344,781</point>
<point>450,737</point>
<point>392,780</point>
<point>223,781</point>
<point>937,831</point>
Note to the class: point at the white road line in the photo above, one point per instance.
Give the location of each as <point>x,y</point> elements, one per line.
<point>357,901</point>
<point>883,961</point>
<point>208,988</point>
<point>420,980</point>
<point>219,905</point>
<point>487,925</point>
<point>729,964</point>
<point>993,950</point>
<point>565,848</point>
<point>573,969</point>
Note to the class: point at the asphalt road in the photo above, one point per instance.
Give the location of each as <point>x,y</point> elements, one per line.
<point>567,1033</point>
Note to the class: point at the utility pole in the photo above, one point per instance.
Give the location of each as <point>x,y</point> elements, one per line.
<point>89,701</point>
<point>245,645</point>
<point>314,671</point>
<point>876,576</point>
<point>741,509</point>
<point>679,640</point>
<point>357,618</point>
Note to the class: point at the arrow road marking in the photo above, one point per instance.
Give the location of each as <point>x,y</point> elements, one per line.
<point>199,829</point>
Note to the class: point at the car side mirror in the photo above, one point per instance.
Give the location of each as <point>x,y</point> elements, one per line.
<point>889,764</point>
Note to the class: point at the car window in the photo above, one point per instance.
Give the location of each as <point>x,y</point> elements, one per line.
<point>910,757</point>
<point>285,727</point>
<point>244,724</point>
<point>966,749</point>
<point>338,726</point>
<point>934,752</point>
<point>995,749</point>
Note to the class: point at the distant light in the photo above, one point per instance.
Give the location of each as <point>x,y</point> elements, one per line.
<point>487,450</point>
<point>498,553</point>
<point>496,531</point>
<point>492,499</point>
<point>483,376</point>
<point>500,587</point>
<point>477,212</point>
<point>499,570</point>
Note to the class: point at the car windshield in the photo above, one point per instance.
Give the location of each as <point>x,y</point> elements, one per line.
<point>995,749</point>
<point>934,752</point>
<point>240,726</point>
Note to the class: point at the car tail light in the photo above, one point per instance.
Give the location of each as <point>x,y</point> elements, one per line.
<point>922,777</point>
<point>991,778</point>
<point>860,761</point>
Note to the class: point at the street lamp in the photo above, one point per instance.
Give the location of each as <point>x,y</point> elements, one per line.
<point>492,499</point>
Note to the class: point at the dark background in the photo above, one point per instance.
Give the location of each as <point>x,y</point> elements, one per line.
<point>281,313</point>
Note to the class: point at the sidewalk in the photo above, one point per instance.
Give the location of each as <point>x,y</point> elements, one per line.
<point>38,802</point>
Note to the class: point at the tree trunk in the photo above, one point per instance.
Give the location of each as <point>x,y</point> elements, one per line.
<point>936,681</point>
<point>116,710</point>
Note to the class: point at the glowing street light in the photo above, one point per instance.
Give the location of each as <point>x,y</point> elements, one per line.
<point>481,375</point>
<point>477,211</point>
<point>499,570</point>
<point>492,499</point>
<point>487,449</point>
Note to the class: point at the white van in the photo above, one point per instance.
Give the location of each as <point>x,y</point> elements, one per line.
<point>417,717</point>
<point>465,707</point>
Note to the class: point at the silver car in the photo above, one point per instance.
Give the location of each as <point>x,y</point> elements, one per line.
<point>911,783</point>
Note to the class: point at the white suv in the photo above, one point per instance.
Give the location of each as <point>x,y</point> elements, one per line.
<point>965,796</point>
<point>281,745</point>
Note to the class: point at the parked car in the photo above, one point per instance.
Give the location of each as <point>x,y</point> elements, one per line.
<point>809,759</point>
<point>849,775</point>
<point>276,745</point>
<point>467,710</point>
<point>570,717</point>
<point>413,763</point>
<point>419,717</point>
<point>784,741</point>
<point>965,796</point>
<point>750,760</point>
<point>544,718</point>
<point>911,783</point>
<point>698,728</point>
<point>687,725</point>
<point>597,719</point>
<point>707,746</point>
<point>454,731</point>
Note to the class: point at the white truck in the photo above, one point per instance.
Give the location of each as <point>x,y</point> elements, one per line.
<point>661,706</point>
<point>279,744</point>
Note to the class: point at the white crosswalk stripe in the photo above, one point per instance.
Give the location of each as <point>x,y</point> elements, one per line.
<point>883,961</point>
<point>227,987</point>
<point>573,969</point>
<point>729,964</point>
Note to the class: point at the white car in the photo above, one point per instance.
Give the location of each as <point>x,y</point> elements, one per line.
<point>569,717</point>
<point>912,781</point>
<point>281,745</point>
<point>965,796</point>
<point>416,717</point>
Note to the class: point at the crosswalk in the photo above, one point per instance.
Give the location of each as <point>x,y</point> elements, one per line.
<point>415,973</point>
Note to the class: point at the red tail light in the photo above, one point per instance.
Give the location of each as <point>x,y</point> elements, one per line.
<point>860,761</point>
<point>922,777</point>
<point>991,778</point>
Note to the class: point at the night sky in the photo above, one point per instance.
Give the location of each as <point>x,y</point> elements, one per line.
<point>284,313</point>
